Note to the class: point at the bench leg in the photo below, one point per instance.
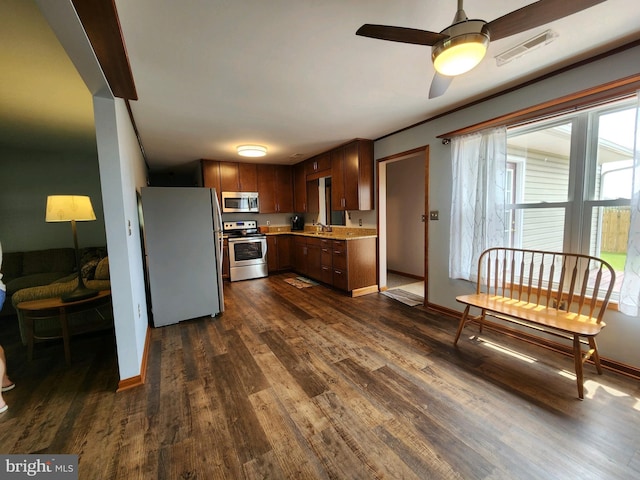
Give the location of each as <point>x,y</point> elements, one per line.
<point>484,312</point>
<point>463,320</point>
<point>577,359</point>
<point>595,354</point>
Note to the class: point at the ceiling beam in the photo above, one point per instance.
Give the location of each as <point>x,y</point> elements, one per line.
<point>102,26</point>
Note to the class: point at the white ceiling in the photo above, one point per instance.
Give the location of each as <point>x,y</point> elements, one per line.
<point>288,74</point>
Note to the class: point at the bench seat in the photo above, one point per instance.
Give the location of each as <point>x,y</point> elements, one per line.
<point>569,323</point>
<point>563,294</point>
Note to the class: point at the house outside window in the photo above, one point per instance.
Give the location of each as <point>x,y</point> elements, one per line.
<point>570,182</point>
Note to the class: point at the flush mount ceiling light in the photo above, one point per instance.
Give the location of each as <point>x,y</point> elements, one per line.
<point>464,48</point>
<point>251,150</point>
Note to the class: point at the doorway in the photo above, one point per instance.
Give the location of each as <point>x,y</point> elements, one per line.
<point>402,227</point>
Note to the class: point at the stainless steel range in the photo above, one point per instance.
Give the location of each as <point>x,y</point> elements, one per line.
<point>247,250</point>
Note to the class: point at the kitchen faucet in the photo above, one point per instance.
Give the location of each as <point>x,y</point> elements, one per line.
<point>324,228</point>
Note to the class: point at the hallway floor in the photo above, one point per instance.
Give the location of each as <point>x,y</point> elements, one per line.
<point>408,284</point>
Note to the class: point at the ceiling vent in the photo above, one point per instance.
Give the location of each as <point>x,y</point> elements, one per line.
<point>525,47</point>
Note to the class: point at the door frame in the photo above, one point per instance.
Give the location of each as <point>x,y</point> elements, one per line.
<point>381,204</point>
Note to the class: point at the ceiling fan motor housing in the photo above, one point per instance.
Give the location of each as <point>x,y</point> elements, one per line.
<point>462,50</point>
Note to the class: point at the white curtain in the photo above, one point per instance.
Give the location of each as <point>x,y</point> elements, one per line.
<point>479,163</point>
<point>630,289</point>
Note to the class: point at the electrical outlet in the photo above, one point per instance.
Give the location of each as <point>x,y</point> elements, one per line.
<point>360,221</point>
<point>268,222</point>
<point>434,215</point>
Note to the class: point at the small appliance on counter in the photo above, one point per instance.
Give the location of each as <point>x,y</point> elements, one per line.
<point>297,223</point>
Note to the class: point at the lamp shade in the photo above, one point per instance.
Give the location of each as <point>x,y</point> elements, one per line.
<point>64,208</point>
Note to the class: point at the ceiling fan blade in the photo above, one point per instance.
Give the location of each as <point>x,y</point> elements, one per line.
<point>439,85</point>
<point>400,34</point>
<point>534,15</point>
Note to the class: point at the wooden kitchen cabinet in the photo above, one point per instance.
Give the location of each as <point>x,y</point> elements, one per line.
<point>275,186</point>
<point>300,255</point>
<point>326,261</point>
<point>278,252</point>
<point>211,176</point>
<point>300,187</point>
<point>352,176</point>
<point>314,268</point>
<point>306,256</point>
<point>238,177</point>
<point>348,265</point>
<point>320,165</point>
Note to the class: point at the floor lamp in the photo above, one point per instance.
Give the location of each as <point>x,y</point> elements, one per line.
<point>72,208</point>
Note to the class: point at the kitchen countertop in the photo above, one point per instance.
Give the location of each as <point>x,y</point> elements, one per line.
<point>337,233</point>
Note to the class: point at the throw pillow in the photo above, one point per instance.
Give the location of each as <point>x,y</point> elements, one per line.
<point>89,268</point>
<point>102,269</point>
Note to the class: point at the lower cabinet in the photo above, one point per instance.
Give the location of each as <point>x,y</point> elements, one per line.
<point>344,264</point>
<point>278,252</point>
<point>306,256</point>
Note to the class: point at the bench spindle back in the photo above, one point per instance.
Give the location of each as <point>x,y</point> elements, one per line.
<point>565,281</point>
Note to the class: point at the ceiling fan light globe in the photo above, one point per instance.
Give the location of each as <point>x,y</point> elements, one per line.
<point>459,54</point>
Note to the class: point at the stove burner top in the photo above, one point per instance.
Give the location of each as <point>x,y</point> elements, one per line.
<point>242,229</point>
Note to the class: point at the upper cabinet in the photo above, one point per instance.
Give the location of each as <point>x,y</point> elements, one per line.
<point>211,176</point>
<point>288,189</point>
<point>320,165</point>
<point>300,187</point>
<point>238,177</point>
<point>352,176</point>
<point>275,186</point>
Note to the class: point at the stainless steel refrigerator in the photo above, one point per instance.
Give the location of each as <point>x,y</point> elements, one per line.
<point>183,246</point>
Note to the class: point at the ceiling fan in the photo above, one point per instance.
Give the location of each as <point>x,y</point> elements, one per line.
<point>462,45</point>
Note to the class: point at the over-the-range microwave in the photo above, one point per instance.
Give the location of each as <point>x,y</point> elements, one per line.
<point>240,202</point>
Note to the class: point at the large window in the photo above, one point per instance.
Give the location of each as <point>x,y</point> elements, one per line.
<point>570,182</point>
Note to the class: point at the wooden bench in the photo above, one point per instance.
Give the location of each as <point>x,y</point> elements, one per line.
<point>562,294</point>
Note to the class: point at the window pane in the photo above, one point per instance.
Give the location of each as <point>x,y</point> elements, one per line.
<point>609,235</point>
<point>538,229</point>
<point>541,158</point>
<point>615,154</point>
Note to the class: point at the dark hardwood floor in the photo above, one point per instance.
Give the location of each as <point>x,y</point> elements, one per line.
<point>309,383</point>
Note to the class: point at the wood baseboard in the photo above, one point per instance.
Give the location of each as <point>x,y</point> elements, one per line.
<point>404,274</point>
<point>138,380</point>
<point>358,292</point>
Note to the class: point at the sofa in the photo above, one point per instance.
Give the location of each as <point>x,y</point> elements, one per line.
<point>51,273</point>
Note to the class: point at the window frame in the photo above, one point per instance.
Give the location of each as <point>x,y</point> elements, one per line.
<point>583,181</point>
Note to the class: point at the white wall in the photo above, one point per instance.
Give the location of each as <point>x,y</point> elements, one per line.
<point>619,340</point>
<point>405,207</point>
<point>28,177</point>
<point>122,171</point>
